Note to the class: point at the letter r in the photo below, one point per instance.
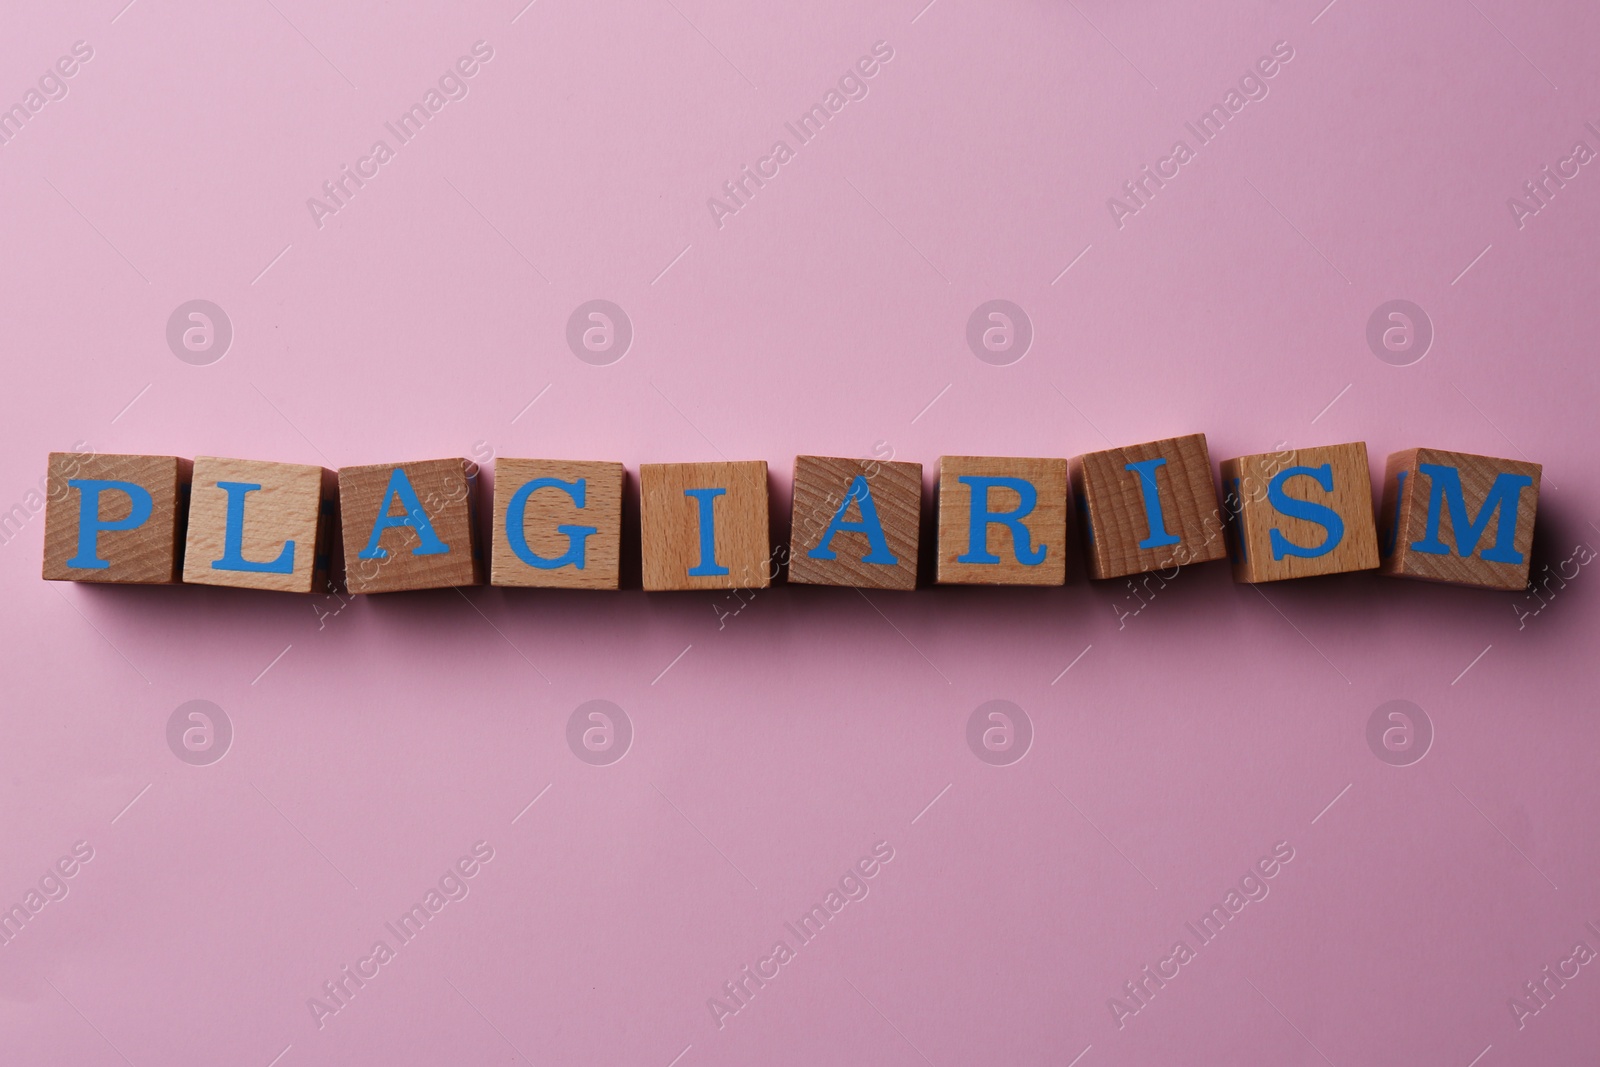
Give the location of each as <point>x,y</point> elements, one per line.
<point>980,518</point>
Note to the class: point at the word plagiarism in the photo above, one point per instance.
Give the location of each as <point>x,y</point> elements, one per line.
<point>388,527</point>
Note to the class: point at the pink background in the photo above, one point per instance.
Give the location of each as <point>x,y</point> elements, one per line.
<point>372,748</point>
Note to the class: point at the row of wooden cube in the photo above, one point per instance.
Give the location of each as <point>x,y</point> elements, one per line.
<point>1446,516</point>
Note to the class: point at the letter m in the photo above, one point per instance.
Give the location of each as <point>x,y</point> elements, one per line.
<point>1504,496</point>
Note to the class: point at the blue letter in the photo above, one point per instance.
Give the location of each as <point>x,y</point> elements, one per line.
<point>90,523</point>
<point>707,567</point>
<point>980,518</point>
<point>233,537</point>
<point>1306,511</point>
<point>1152,502</point>
<point>1445,488</point>
<point>577,536</point>
<point>877,544</point>
<point>400,489</point>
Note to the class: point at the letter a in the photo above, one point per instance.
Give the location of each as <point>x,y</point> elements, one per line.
<point>877,542</point>
<point>414,517</point>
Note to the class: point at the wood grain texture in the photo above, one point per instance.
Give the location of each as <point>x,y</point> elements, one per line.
<point>822,487</point>
<point>1247,486</point>
<point>1409,500</point>
<point>444,492</point>
<point>1112,498</point>
<point>294,504</point>
<point>1046,523</point>
<point>670,530</point>
<point>149,554</point>
<point>547,508</point>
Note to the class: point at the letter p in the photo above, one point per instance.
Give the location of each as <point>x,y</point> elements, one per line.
<point>90,524</point>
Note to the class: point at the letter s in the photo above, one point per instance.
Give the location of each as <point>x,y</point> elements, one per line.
<point>1305,511</point>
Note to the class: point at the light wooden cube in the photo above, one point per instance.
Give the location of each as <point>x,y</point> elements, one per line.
<point>1002,521</point>
<point>114,518</point>
<point>1300,512</point>
<point>1148,507</point>
<point>408,526</point>
<point>567,528</point>
<point>856,522</point>
<point>259,525</point>
<point>705,525</point>
<point>1458,518</point>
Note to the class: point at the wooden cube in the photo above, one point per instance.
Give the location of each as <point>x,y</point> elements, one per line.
<point>114,518</point>
<point>1148,507</point>
<point>1002,521</point>
<point>408,526</point>
<point>1458,518</point>
<point>1300,512</point>
<point>705,525</point>
<point>557,524</point>
<point>856,522</point>
<point>259,525</point>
